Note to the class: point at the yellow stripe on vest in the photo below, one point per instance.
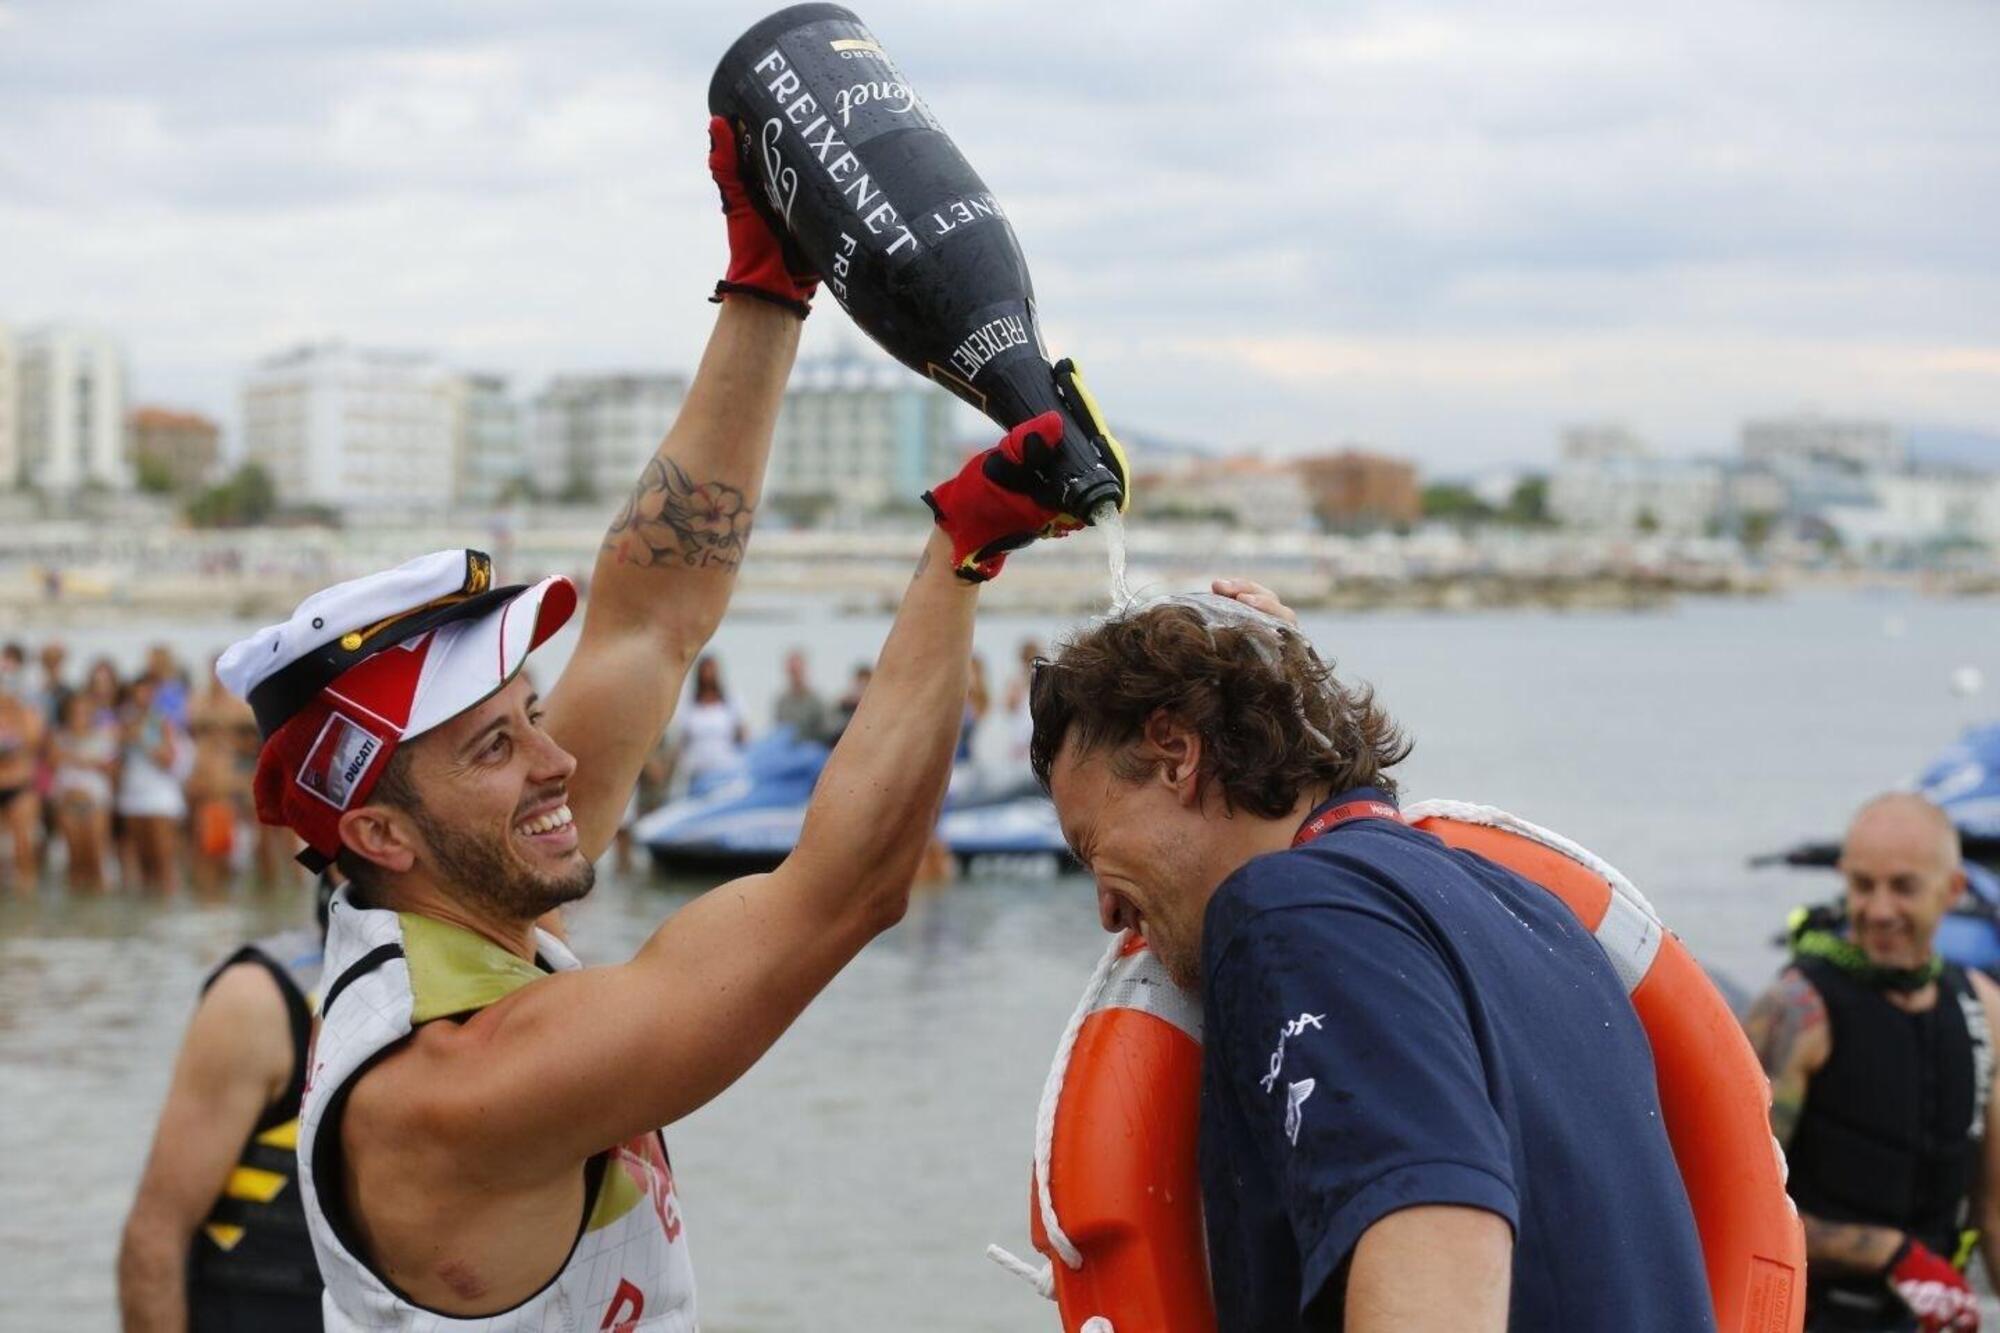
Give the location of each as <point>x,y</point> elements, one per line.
<point>618,1195</point>
<point>223,1234</point>
<point>247,1182</point>
<point>284,1136</point>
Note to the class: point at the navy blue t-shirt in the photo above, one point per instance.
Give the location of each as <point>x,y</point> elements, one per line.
<point>1388,1023</point>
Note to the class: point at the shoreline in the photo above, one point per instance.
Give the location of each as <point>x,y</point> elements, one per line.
<point>79,574</point>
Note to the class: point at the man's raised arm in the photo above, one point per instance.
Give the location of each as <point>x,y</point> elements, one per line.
<point>557,1070</point>
<point>668,565</point>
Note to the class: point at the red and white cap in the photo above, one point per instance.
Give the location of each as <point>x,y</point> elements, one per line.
<point>365,665</point>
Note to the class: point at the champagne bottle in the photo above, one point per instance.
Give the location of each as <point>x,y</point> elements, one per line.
<point>851,168</point>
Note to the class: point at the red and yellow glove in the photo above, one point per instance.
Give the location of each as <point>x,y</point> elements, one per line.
<point>760,263</point>
<point>1002,499</point>
<point>1937,1294</point>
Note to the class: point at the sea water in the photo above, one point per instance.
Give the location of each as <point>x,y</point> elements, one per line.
<point>1108,520</point>
<point>907,1091</point>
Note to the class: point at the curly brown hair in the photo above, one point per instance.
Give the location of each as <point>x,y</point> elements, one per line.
<point>1273,720</point>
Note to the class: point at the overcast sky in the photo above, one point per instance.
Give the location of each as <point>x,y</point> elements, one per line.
<point>1443,229</point>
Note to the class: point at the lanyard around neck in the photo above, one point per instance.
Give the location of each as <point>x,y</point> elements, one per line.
<point>1325,821</point>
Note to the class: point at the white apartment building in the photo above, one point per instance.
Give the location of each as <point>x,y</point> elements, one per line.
<point>858,435</point>
<point>68,411</point>
<point>1907,511</point>
<point>488,453</point>
<point>10,452</point>
<point>1794,443</point>
<point>1608,481</point>
<point>1244,492</point>
<point>590,435</point>
<point>353,428</point>
<point>1601,442</point>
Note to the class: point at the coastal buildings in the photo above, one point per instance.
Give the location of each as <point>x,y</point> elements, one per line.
<point>856,436</point>
<point>1347,491</point>
<point>488,445</point>
<point>1805,441</point>
<point>590,434</point>
<point>10,452</point>
<point>1244,492</point>
<point>352,429</point>
<point>1609,480</point>
<point>170,450</point>
<point>69,411</point>
<point>1356,490</point>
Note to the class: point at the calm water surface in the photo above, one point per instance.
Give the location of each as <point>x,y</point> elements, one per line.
<point>853,1178</point>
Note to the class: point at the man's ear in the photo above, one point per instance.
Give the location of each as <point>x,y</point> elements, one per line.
<point>1955,890</point>
<point>1176,752</point>
<point>381,834</point>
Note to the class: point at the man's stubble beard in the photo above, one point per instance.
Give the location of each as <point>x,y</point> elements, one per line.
<point>1174,853</point>
<point>484,872</point>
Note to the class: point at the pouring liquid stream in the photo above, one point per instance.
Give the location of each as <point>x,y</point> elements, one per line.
<point>1111,523</point>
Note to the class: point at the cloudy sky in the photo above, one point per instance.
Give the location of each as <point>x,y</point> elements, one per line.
<point>1444,229</point>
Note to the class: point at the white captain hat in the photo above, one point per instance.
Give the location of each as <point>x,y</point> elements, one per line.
<point>364,665</point>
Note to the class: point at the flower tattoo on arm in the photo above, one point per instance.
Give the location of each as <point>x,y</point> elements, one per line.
<point>670,520</point>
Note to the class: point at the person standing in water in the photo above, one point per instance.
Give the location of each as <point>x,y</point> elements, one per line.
<point>1881,1058</point>
<point>21,730</point>
<point>85,754</point>
<point>712,729</point>
<point>1427,1105</point>
<point>216,1239</point>
<point>153,754</point>
<point>480,1137</point>
<point>218,785</point>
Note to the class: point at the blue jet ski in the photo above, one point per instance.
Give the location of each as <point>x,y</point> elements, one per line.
<point>747,821</point>
<point>1964,782</point>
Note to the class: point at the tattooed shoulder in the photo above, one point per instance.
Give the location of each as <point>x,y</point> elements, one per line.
<point>1784,1015</point>
<point>673,520</point>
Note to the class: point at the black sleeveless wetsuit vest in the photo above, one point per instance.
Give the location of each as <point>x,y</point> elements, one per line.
<point>251,1265</point>
<point>1890,1134</point>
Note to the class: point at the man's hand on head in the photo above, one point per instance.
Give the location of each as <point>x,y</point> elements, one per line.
<point>1255,596</point>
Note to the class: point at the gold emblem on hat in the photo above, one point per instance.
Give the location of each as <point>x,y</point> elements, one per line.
<point>478,578</point>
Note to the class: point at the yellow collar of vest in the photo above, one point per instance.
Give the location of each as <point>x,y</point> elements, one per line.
<point>454,971</point>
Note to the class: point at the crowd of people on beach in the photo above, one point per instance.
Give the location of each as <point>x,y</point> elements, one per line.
<point>142,782</point>
<point>136,781</point>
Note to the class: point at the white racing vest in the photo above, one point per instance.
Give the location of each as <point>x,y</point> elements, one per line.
<point>386,974</point>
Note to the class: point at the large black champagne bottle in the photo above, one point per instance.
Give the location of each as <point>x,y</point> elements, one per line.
<point>851,167</point>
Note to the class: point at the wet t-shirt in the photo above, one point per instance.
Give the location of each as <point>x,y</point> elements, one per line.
<point>1392,1023</point>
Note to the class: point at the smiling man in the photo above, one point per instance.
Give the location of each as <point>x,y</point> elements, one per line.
<point>1881,1062</point>
<point>480,1133</point>
<point>1426,1104</point>
<point>480,1139</point>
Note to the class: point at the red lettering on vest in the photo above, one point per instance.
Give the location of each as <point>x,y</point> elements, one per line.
<point>645,1162</point>
<point>627,1304</point>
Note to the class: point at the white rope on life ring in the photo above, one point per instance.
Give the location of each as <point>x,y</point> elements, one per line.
<point>1042,1277</point>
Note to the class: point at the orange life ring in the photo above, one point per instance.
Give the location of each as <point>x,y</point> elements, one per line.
<point>1123,1177</point>
<point>1122,1174</point>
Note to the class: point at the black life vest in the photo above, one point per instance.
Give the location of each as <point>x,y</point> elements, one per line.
<point>1891,1129</point>
<point>252,1259</point>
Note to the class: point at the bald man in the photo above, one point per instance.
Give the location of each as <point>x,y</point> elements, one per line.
<point>1881,1062</point>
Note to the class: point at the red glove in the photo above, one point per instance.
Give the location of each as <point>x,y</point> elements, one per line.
<point>1936,1293</point>
<point>1003,499</point>
<point>760,264</point>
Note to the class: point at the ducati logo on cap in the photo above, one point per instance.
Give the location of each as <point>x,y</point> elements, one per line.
<point>339,759</point>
